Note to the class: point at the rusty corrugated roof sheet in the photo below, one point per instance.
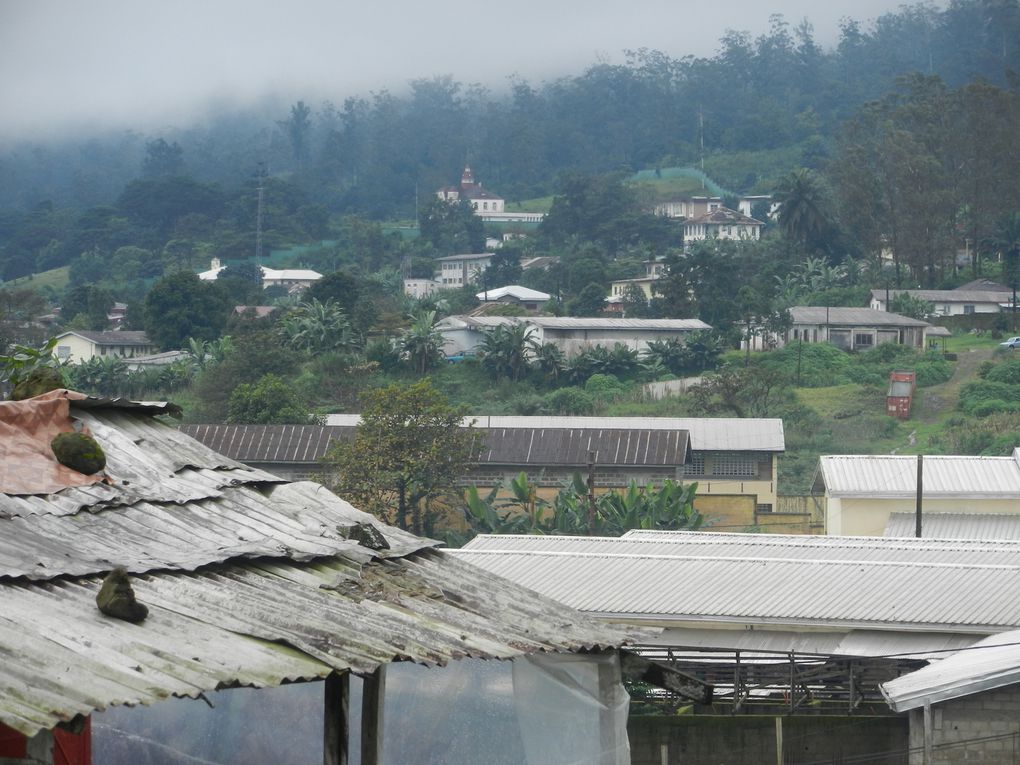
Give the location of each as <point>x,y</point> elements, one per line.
<point>248,581</point>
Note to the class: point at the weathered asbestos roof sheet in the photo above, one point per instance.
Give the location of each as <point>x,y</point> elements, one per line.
<point>575,323</point>
<point>851,317</point>
<point>989,664</point>
<point>672,578</point>
<point>248,581</point>
<point>983,526</point>
<point>500,446</point>
<point>571,446</point>
<point>891,476</point>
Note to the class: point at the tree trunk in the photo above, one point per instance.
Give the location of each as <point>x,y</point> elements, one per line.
<point>402,506</point>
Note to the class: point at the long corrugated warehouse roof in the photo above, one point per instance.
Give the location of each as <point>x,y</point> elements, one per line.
<point>764,434</point>
<point>888,476</point>
<point>851,317</point>
<point>510,446</point>
<point>686,578</point>
<point>249,581</point>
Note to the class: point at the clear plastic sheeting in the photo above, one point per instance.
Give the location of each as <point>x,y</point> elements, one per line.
<point>542,710</point>
<point>572,709</point>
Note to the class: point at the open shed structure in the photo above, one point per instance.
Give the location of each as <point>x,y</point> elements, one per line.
<point>249,581</point>
<point>784,626</point>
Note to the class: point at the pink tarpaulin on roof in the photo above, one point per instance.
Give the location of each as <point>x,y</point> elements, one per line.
<point>27,463</point>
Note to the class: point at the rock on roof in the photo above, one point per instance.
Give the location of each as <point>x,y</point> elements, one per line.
<point>248,580</point>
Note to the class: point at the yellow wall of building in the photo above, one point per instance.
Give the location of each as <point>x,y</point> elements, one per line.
<point>869,517</point>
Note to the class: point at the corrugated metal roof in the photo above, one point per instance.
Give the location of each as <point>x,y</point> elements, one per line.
<point>571,446</point>
<point>882,476</point>
<point>570,322</point>
<point>856,643</point>
<point>500,446</point>
<point>945,296</point>
<point>989,664</point>
<point>248,581</point>
<point>851,317</point>
<point>985,526</point>
<point>769,579</point>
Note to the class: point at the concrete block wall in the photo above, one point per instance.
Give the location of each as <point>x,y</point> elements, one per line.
<point>982,728</point>
<point>751,740</point>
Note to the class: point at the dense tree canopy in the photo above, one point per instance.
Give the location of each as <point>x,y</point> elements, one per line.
<point>180,306</point>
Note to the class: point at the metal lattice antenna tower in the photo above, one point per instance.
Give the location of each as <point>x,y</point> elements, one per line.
<point>260,174</point>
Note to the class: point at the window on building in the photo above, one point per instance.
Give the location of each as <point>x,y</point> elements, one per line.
<point>734,465</point>
<point>764,507</point>
<point>863,339</point>
<point>968,309</point>
<point>63,352</point>
<point>696,466</point>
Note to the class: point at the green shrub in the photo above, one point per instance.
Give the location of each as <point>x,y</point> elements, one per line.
<point>1007,372</point>
<point>815,365</point>
<point>993,406</point>
<point>570,401</point>
<point>973,394</point>
<point>933,372</point>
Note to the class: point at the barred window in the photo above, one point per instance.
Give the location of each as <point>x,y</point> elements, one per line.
<point>763,508</point>
<point>696,466</point>
<point>734,465</point>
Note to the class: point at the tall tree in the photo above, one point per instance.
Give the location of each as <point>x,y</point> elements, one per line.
<point>180,306</point>
<point>408,449</point>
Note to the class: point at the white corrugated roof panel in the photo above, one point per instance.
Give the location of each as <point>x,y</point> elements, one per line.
<point>984,526</point>
<point>886,476</point>
<point>991,663</point>
<point>769,579</point>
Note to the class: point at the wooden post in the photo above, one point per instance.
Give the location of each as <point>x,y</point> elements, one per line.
<point>373,696</point>
<point>779,741</point>
<point>336,720</point>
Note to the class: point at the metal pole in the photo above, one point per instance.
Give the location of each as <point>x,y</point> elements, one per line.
<point>591,492</point>
<point>920,492</point>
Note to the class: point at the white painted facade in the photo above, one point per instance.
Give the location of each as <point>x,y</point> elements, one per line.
<point>77,346</point>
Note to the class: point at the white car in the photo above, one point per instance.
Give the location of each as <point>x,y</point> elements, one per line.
<point>1013,343</point>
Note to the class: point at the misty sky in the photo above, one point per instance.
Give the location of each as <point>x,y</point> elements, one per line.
<point>76,64</point>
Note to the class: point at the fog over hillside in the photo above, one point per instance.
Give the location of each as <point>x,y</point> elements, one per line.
<point>68,66</point>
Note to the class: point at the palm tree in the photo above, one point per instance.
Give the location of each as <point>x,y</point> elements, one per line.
<point>505,349</point>
<point>422,343</point>
<point>318,327</point>
<point>549,359</point>
<point>804,208</point>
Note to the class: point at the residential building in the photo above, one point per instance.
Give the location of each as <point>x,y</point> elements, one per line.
<point>456,271</point>
<point>722,223</point>
<point>733,460</point>
<point>78,345</point>
<point>420,288</point>
<point>863,492</point>
<point>463,334</point>
<point>958,302</point>
<point>293,279</point>
<point>529,299</point>
<point>654,269</point>
<point>488,206</point>
<point>695,206</point>
<point>851,329</point>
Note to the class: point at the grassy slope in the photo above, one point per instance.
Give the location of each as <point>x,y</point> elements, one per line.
<point>56,278</point>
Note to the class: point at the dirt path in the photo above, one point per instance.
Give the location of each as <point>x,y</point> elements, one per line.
<point>935,401</point>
